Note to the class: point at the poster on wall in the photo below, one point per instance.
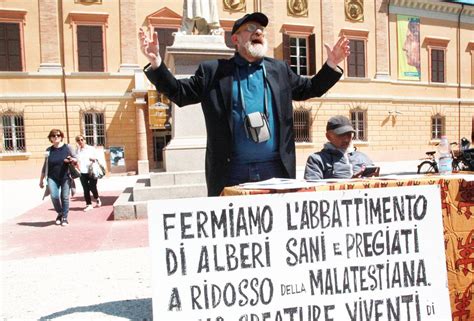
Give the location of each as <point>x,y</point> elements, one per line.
<point>408,31</point>
<point>374,254</point>
<point>117,156</point>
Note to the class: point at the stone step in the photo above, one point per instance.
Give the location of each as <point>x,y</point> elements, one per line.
<point>177,178</point>
<point>148,193</point>
<point>132,203</point>
<point>127,209</point>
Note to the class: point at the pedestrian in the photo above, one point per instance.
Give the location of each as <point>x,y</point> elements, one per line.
<point>57,173</point>
<point>246,101</point>
<point>86,156</point>
<point>338,159</point>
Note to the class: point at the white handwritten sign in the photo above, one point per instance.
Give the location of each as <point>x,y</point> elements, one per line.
<point>358,255</point>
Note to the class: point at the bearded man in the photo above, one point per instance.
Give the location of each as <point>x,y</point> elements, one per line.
<point>247,103</point>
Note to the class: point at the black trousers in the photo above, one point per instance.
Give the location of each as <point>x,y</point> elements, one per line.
<point>89,185</point>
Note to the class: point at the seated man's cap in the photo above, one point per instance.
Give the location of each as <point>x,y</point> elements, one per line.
<point>339,125</point>
<point>256,16</point>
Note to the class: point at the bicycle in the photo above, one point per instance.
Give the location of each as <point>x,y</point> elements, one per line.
<point>429,165</point>
<point>463,159</point>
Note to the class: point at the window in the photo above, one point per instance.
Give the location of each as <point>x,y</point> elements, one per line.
<point>298,55</point>
<point>299,44</point>
<point>227,25</point>
<point>88,32</point>
<point>94,128</point>
<point>356,60</point>
<point>358,119</point>
<point>90,48</point>
<point>437,65</point>
<point>166,39</point>
<point>437,58</point>
<point>88,1</point>
<point>356,63</point>
<point>437,126</point>
<point>302,125</point>
<point>228,39</point>
<point>10,47</point>
<point>12,53</point>
<point>13,130</point>
<point>165,22</point>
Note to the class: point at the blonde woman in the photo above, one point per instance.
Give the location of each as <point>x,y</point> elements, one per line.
<point>86,155</point>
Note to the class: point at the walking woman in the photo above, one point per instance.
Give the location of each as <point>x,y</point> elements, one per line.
<point>56,171</point>
<point>86,155</point>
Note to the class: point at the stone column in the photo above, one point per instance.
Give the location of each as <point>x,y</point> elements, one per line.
<point>327,27</point>
<point>128,36</point>
<point>49,37</point>
<point>381,40</point>
<point>267,7</point>
<point>187,148</point>
<point>140,104</point>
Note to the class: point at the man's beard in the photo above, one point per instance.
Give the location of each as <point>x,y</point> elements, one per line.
<point>256,50</point>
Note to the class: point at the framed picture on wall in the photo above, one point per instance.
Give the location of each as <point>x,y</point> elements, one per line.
<point>117,156</point>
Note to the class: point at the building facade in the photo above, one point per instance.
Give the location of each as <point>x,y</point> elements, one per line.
<point>76,65</point>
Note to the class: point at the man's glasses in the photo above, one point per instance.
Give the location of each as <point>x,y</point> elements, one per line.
<point>79,140</point>
<point>252,27</point>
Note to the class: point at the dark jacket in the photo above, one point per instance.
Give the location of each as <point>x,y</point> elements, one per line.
<point>331,163</point>
<point>211,86</point>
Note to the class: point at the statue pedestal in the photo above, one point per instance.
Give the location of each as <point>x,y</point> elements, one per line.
<point>186,150</point>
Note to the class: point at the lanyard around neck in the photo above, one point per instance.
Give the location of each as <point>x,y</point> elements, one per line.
<point>265,108</point>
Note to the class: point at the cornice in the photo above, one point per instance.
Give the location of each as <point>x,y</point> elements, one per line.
<point>434,5</point>
<point>436,41</point>
<point>14,15</point>
<point>361,33</point>
<point>88,17</point>
<point>164,17</point>
<point>297,29</point>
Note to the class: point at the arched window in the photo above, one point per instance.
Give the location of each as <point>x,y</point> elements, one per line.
<point>94,128</point>
<point>13,133</point>
<point>302,125</point>
<point>359,122</point>
<point>437,126</point>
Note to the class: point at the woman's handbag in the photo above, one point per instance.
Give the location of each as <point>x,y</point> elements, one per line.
<point>96,170</point>
<point>73,170</point>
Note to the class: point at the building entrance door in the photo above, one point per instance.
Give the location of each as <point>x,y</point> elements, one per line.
<point>161,138</point>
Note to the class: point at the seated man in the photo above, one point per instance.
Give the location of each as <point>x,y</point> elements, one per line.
<point>337,159</point>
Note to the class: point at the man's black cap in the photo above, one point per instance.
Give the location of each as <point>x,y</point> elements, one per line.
<point>339,125</point>
<point>256,16</point>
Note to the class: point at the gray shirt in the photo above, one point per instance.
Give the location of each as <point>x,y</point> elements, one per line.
<point>331,162</point>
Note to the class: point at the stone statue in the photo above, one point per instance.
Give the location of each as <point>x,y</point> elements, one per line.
<point>200,17</point>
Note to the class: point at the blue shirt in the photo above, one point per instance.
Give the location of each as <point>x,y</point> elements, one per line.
<point>252,85</point>
<point>57,169</point>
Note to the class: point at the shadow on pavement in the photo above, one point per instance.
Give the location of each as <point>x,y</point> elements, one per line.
<point>80,202</point>
<point>37,224</point>
<point>139,309</point>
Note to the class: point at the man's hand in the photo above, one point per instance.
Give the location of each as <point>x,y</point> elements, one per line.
<point>339,52</point>
<point>149,46</point>
<point>359,173</point>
